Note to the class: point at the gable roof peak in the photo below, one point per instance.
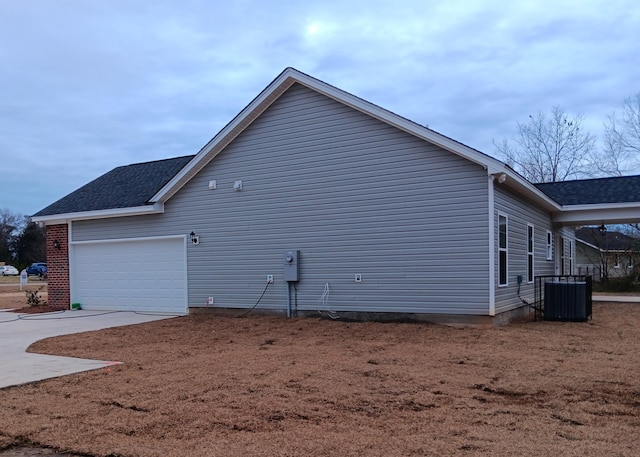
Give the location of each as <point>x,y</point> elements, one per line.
<point>280,85</point>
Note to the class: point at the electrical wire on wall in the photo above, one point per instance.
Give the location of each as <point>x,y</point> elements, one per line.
<point>323,304</point>
<point>254,306</point>
<point>524,302</point>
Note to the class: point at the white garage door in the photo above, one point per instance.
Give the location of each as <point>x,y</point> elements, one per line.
<point>131,275</point>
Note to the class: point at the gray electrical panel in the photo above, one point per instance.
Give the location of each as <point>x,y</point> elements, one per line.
<point>291,266</point>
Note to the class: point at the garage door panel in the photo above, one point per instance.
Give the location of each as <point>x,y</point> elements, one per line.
<point>138,275</point>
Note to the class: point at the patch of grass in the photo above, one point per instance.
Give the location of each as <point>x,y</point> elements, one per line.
<point>9,279</point>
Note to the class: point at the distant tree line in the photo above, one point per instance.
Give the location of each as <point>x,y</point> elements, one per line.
<point>556,147</point>
<point>22,242</point>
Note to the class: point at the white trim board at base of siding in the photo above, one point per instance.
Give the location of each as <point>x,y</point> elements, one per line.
<point>130,275</point>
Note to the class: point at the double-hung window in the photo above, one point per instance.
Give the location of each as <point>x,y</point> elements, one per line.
<point>549,245</point>
<point>502,250</point>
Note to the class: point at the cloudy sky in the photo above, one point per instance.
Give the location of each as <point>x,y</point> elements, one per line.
<point>88,85</point>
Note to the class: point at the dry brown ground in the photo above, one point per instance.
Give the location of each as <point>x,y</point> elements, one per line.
<point>11,297</point>
<point>271,386</point>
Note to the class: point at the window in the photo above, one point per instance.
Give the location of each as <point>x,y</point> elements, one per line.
<point>616,261</point>
<point>502,250</point>
<point>549,245</point>
<point>561,268</point>
<point>571,255</point>
<point>529,253</point>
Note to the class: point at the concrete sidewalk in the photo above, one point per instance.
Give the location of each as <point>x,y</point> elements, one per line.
<point>617,298</point>
<point>19,331</point>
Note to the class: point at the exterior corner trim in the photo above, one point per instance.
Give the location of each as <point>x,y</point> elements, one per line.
<point>492,246</point>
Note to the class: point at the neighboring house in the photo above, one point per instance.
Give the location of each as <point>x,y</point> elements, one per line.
<point>390,220</point>
<point>605,254</point>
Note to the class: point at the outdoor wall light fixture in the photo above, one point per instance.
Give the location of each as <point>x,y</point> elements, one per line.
<point>194,238</point>
<point>56,244</point>
<point>602,229</point>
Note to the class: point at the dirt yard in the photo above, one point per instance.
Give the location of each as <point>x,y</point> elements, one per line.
<point>11,297</point>
<point>271,386</point>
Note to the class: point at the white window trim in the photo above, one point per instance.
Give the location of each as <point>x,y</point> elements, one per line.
<point>505,249</point>
<point>549,245</point>
<point>572,259</point>
<point>531,253</point>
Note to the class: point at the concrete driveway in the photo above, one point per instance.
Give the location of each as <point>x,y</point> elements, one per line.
<point>19,331</point>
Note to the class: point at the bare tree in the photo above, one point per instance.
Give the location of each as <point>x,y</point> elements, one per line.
<point>621,149</point>
<point>548,149</point>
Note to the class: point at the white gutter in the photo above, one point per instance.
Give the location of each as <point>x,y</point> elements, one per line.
<point>156,208</point>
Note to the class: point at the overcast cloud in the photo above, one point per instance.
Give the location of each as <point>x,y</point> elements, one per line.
<point>88,85</point>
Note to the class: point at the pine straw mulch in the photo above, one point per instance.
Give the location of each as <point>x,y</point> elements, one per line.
<point>211,385</point>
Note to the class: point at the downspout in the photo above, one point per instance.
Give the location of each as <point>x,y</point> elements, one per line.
<point>492,248</point>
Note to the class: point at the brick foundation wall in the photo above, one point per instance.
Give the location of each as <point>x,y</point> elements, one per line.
<point>58,266</point>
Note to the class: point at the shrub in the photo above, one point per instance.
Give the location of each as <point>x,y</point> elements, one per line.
<point>34,299</point>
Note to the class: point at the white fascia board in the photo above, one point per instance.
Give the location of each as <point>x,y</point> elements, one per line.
<point>519,184</point>
<point>607,213</point>
<point>400,122</point>
<point>290,76</point>
<point>156,208</point>
<point>578,240</point>
<point>272,92</point>
<point>228,133</point>
<point>492,165</point>
<point>604,251</point>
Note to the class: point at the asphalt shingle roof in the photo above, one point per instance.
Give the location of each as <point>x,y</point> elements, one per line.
<point>123,187</point>
<point>614,241</point>
<point>623,189</point>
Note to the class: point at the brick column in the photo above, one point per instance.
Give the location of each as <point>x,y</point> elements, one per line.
<point>58,266</point>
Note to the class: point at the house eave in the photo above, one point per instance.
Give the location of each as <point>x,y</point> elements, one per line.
<point>512,180</point>
<point>64,218</point>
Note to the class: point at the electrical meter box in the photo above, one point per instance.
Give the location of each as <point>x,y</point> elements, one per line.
<point>291,266</point>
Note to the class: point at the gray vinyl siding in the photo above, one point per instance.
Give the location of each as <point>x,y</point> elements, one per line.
<point>352,193</point>
<point>521,212</point>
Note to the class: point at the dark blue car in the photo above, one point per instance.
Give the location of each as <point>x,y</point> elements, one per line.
<point>37,269</point>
